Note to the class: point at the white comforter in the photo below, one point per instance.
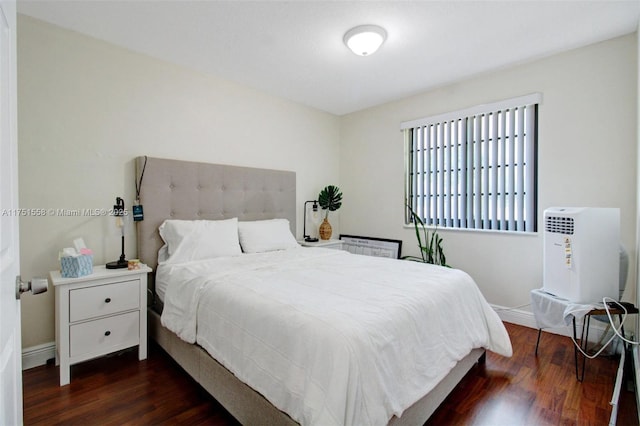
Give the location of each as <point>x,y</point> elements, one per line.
<point>329,337</point>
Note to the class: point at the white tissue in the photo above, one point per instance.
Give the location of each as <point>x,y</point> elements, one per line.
<point>79,244</point>
<point>69,252</point>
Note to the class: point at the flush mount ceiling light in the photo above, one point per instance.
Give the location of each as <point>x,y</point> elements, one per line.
<point>365,39</point>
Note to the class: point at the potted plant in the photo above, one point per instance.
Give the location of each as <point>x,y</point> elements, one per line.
<point>431,250</point>
<point>329,199</point>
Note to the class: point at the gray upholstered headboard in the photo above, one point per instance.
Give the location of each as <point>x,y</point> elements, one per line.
<point>175,189</point>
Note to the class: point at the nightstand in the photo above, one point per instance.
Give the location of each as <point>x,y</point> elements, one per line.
<point>98,314</point>
<point>330,244</point>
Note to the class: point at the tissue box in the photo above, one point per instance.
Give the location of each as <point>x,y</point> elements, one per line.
<point>76,266</point>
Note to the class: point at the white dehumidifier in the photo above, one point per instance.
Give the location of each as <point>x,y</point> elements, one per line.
<point>581,253</point>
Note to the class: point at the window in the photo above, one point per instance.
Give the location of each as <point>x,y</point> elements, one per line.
<point>475,168</point>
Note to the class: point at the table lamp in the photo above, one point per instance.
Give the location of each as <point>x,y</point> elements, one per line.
<point>314,208</point>
<point>119,213</point>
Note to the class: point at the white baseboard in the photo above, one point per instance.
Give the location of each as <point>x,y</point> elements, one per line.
<point>515,316</point>
<point>526,319</point>
<point>38,355</point>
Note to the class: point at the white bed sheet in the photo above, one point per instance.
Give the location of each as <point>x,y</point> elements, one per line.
<point>329,337</point>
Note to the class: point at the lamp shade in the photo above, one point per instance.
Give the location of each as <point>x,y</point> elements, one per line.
<point>365,39</point>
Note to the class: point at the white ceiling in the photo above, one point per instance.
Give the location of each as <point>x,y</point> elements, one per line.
<point>294,49</point>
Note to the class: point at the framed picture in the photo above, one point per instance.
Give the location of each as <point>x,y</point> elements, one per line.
<point>370,246</point>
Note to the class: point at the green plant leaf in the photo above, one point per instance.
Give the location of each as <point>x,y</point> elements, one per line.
<point>431,251</point>
<point>330,198</point>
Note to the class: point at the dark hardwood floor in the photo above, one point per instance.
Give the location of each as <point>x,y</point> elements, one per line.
<point>522,390</point>
<point>542,390</point>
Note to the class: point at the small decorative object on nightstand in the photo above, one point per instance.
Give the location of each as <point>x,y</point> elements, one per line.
<point>330,244</point>
<point>98,314</point>
<point>330,199</point>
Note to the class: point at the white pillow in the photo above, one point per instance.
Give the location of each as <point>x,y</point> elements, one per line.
<point>266,235</point>
<point>190,240</point>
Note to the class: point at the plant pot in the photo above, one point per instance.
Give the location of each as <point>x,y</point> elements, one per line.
<point>325,230</point>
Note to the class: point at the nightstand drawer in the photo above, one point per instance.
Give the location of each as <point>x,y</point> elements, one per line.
<point>92,302</point>
<point>105,335</point>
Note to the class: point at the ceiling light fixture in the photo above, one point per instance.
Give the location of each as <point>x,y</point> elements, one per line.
<point>365,39</point>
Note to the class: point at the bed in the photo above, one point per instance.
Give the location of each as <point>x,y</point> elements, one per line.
<point>241,290</point>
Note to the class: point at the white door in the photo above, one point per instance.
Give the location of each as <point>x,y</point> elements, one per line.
<point>10,346</point>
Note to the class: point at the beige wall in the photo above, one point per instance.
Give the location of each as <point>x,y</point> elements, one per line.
<point>587,157</point>
<point>87,109</point>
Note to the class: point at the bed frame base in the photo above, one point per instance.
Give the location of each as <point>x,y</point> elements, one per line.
<point>250,407</point>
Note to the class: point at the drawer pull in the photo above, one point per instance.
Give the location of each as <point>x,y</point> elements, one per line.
<point>107,333</point>
<point>107,300</point>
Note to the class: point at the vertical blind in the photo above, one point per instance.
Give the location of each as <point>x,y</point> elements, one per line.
<point>475,168</point>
